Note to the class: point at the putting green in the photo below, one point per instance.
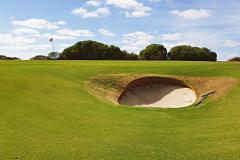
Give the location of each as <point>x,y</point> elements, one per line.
<point>47,113</point>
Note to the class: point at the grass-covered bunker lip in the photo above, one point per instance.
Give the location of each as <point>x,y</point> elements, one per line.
<point>110,88</point>
<point>163,92</point>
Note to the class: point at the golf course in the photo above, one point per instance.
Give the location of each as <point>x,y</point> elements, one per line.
<point>48,112</point>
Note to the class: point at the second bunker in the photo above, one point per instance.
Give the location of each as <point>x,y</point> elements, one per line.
<point>160,92</point>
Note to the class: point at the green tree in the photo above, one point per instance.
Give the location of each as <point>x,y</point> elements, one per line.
<point>92,50</point>
<point>154,52</point>
<point>188,53</point>
<point>131,56</point>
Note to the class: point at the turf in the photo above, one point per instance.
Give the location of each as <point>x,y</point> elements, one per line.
<point>46,113</point>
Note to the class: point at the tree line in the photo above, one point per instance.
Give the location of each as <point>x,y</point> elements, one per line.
<point>92,50</point>
<point>234,59</point>
<point>2,57</point>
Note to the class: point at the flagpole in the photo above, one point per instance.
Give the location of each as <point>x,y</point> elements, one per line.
<point>52,41</point>
<point>53,46</point>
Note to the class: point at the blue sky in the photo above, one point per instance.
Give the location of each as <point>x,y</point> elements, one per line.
<point>26,26</point>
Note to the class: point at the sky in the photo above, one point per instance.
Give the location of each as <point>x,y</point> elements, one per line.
<point>27,25</point>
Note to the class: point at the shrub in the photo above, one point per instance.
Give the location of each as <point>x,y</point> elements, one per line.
<point>188,53</point>
<point>234,59</point>
<point>154,52</point>
<point>40,57</point>
<point>54,55</point>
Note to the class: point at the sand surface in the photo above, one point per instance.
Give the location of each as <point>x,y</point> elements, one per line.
<point>159,95</point>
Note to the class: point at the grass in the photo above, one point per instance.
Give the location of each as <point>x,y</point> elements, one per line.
<point>47,113</point>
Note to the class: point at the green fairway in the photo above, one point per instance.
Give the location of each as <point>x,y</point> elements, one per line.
<point>47,113</point>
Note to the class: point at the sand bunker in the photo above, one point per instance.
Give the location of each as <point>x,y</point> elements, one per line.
<point>158,92</point>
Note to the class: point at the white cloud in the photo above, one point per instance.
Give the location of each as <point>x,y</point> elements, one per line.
<point>60,23</point>
<point>25,42</point>
<point>34,47</point>
<point>54,36</point>
<point>26,51</point>
<point>23,30</point>
<point>171,45</point>
<point>192,14</point>
<point>156,1</point>
<point>226,55</point>
<point>8,39</point>
<point>136,41</point>
<point>75,33</point>
<point>46,36</point>
<point>106,33</point>
<point>60,37</point>
<point>202,39</point>
<point>63,46</point>
<point>38,23</point>
<point>95,3</point>
<point>132,8</point>
<point>171,36</point>
<point>194,38</point>
<point>62,34</point>
<point>231,43</point>
<point>98,13</point>
<point>27,45</point>
<point>21,46</point>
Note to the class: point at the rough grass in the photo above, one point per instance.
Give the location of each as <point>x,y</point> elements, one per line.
<point>47,113</point>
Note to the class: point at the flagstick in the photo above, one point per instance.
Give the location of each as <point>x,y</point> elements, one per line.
<point>53,46</point>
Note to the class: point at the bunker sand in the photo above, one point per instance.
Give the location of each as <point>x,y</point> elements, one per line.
<point>159,95</point>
